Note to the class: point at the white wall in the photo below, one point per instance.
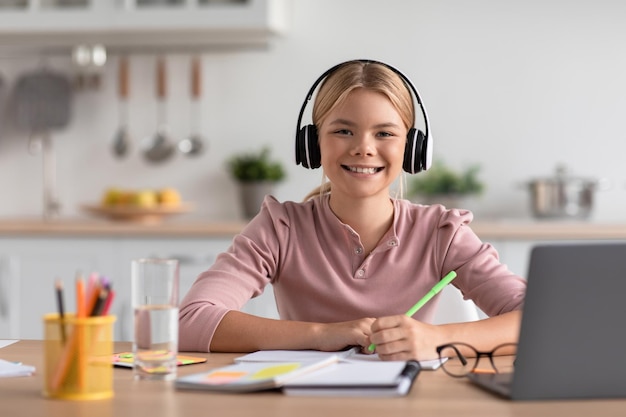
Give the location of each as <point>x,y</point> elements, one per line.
<point>515,86</point>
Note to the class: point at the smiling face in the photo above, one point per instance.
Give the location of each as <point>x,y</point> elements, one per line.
<point>362,143</point>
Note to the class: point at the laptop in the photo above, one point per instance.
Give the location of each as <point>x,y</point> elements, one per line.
<point>572,341</point>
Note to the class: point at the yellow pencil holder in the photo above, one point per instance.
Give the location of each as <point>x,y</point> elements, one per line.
<point>77,361</point>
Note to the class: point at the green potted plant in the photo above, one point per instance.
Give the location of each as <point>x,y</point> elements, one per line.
<point>442,184</point>
<point>257,176</point>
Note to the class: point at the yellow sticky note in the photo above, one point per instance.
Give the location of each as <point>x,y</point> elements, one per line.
<point>272,371</point>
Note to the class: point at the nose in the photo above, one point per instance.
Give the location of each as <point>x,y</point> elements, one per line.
<point>363,145</point>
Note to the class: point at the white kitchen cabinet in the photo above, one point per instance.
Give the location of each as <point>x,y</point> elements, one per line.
<point>34,265</point>
<point>195,256</point>
<point>8,296</point>
<point>124,23</point>
<point>516,253</point>
<point>30,265</point>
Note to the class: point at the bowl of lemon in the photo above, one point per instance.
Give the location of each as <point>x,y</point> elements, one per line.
<point>142,205</point>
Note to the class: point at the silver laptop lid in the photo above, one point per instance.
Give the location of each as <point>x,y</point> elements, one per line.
<point>573,336</point>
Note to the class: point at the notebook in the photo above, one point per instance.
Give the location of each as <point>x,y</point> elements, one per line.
<point>572,337</point>
<point>251,376</point>
<point>351,355</point>
<point>357,379</point>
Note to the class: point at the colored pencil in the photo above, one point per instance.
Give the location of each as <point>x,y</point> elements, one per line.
<point>98,307</point>
<point>60,306</point>
<point>76,346</point>
<point>109,301</point>
<point>81,309</point>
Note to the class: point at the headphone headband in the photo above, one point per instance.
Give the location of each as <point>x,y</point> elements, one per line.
<point>421,140</point>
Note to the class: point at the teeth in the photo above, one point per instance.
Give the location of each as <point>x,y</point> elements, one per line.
<point>363,170</point>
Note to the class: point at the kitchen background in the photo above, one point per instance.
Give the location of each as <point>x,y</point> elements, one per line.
<point>516,87</point>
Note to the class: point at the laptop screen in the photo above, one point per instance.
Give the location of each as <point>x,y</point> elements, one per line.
<point>572,340</point>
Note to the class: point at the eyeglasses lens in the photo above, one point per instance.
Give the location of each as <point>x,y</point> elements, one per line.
<point>458,363</point>
<point>463,359</point>
<point>503,358</point>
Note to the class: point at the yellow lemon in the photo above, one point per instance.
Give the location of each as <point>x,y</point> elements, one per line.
<point>169,197</point>
<point>145,199</point>
<point>111,197</point>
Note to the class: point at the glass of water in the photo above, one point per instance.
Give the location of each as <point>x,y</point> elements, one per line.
<point>154,292</point>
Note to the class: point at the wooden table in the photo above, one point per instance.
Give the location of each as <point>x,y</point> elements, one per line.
<point>434,394</point>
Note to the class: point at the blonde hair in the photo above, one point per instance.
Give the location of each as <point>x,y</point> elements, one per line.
<point>372,76</point>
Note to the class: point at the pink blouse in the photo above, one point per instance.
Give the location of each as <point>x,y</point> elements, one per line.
<point>320,273</point>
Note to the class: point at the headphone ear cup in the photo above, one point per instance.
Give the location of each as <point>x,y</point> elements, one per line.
<point>413,151</point>
<point>307,149</point>
<point>300,153</point>
<point>427,151</point>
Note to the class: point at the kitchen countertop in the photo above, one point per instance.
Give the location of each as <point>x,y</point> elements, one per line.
<point>189,227</point>
<point>89,227</point>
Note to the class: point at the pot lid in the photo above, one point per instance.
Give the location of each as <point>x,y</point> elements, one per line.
<point>562,176</point>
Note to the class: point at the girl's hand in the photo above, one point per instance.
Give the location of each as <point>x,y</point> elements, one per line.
<point>337,336</point>
<point>400,338</point>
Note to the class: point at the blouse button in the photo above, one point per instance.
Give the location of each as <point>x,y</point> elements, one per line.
<point>358,250</point>
<point>360,273</point>
<point>392,243</point>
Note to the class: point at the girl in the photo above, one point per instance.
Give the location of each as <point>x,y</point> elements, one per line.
<point>350,260</point>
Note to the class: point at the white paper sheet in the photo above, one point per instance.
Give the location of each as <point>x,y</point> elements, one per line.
<point>11,369</point>
<point>6,342</point>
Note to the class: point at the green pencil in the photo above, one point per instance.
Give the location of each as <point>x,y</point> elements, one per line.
<point>430,294</point>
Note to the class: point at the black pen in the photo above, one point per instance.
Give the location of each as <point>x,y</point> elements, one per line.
<point>59,291</point>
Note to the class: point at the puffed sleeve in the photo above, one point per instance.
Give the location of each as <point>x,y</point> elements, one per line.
<point>482,278</point>
<point>238,274</point>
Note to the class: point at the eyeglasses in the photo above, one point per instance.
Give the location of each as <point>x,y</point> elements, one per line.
<point>463,359</point>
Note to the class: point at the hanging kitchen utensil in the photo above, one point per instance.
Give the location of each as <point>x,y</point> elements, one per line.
<point>194,144</point>
<point>3,100</point>
<point>122,140</point>
<point>42,103</point>
<point>42,100</point>
<point>159,148</point>
<point>89,61</point>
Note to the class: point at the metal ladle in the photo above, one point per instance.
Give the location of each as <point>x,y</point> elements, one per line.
<point>122,140</point>
<point>159,148</point>
<point>194,144</point>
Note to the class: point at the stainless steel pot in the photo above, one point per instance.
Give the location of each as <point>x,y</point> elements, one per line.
<point>562,196</point>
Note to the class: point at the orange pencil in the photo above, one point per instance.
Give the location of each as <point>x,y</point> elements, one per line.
<point>81,310</point>
<point>81,313</point>
<point>65,360</point>
<point>75,348</point>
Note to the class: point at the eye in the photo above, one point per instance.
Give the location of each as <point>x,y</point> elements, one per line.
<point>387,135</point>
<point>345,132</point>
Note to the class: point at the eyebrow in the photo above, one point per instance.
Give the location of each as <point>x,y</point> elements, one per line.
<point>350,123</point>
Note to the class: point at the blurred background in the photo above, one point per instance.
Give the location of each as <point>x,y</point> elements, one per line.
<point>515,87</point>
<point>514,91</point>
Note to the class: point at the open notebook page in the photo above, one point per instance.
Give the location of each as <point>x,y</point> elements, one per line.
<point>350,355</point>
